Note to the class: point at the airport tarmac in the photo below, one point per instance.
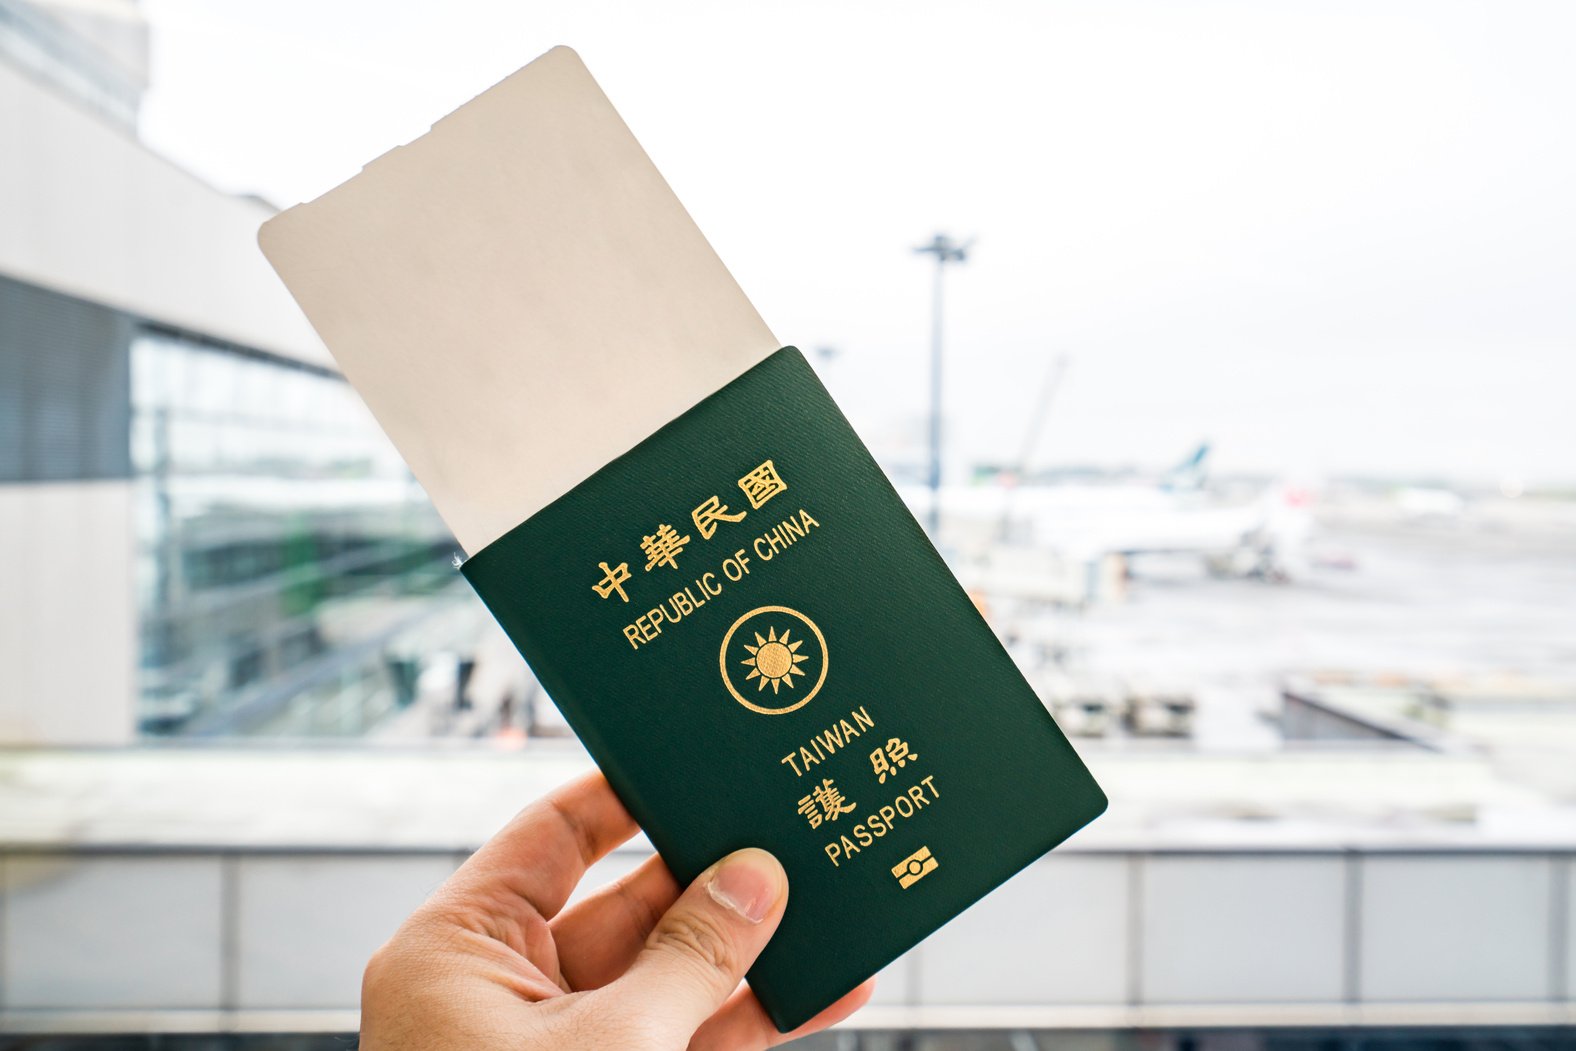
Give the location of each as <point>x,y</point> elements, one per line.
<point>1426,601</point>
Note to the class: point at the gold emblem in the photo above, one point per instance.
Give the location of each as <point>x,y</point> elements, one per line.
<point>776,647</point>
<point>915,867</point>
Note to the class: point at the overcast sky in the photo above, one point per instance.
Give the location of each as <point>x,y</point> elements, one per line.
<point>1333,238</point>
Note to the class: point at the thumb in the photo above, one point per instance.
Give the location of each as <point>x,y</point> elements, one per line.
<point>698,952</point>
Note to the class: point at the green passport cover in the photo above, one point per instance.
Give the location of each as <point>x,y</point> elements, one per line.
<point>759,646</point>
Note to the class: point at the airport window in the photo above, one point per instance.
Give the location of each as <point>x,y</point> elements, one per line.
<point>270,508</point>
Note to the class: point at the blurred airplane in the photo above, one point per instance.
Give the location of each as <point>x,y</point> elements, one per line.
<point>1190,474</point>
<point>1261,533</point>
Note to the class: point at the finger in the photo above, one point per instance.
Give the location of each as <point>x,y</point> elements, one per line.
<point>541,854</point>
<point>741,1024</point>
<point>700,948</point>
<point>599,937</point>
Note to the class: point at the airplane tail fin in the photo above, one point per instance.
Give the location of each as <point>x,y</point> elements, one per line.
<point>1190,473</point>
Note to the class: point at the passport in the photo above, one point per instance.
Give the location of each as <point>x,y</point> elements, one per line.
<point>731,605</point>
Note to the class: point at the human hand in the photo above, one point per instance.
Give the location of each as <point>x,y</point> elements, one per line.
<point>490,961</point>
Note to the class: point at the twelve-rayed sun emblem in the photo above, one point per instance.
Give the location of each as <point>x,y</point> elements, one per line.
<point>774,660</point>
<point>778,647</point>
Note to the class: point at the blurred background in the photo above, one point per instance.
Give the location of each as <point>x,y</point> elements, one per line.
<point>1254,335</point>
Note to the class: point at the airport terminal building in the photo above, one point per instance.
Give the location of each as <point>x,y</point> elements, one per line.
<point>174,440</point>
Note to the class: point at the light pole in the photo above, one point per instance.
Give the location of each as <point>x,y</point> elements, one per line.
<point>946,250</point>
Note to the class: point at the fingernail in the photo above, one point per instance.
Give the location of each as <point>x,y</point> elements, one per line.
<point>748,882</point>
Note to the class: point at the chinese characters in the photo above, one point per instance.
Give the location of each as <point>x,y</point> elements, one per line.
<point>612,580</point>
<point>663,547</point>
<point>824,803</point>
<point>890,759</point>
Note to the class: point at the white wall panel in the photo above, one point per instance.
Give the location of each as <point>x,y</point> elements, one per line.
<point>67,623</point>
<point>1456,927</point>
<point>1242,929</point>
<point>896,983</point>
<point>1054,934</point>
<point>1569,867</point>
<point>286,931</point>
<point>306,926</point>
<point>112,932</point>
